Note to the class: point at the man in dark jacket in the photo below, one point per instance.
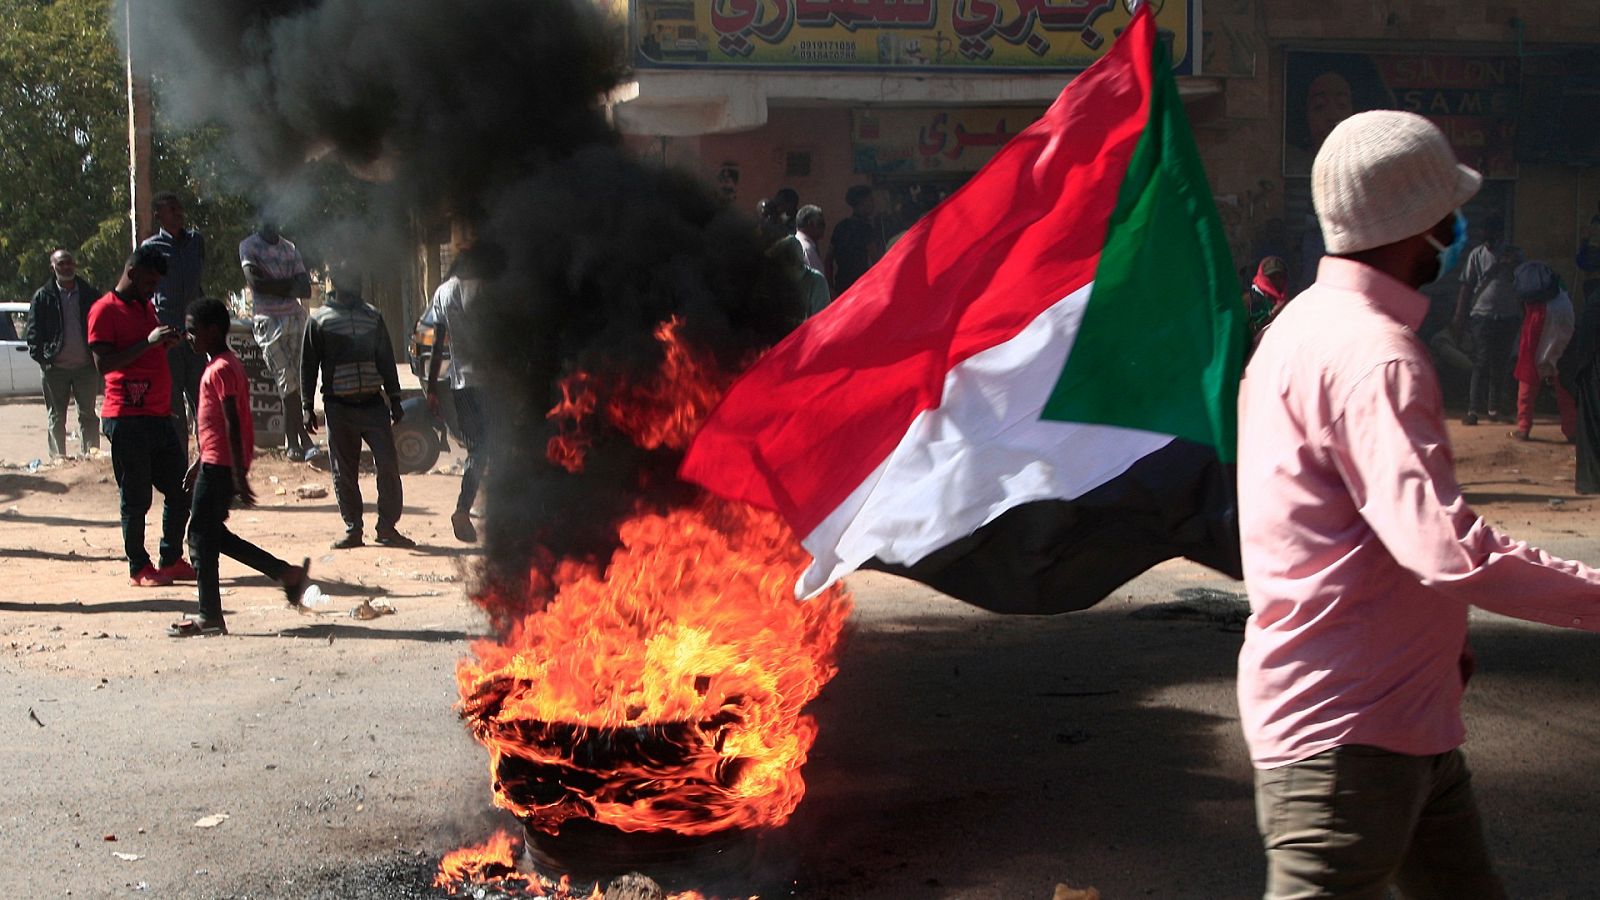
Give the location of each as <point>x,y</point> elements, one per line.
<point>58,340</point>
<point>347,345</point>
<point>185,250</point>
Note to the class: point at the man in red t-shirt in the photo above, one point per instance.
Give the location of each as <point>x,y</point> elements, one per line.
<point>221,474</point>
<point>129,347</point>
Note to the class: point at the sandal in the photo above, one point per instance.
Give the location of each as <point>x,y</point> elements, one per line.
<point>293,592</point>
<point>195,628</point>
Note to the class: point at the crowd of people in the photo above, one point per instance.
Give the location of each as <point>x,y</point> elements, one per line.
<point>154,351</point>
<point>1514,327</point>
<point>796,233</point>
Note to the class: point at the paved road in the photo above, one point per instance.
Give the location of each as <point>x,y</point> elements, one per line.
<point>962,755</point>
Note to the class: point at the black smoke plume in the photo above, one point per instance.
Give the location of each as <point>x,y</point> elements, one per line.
<point>493,109</point>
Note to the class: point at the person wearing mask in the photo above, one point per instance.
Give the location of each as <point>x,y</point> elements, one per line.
<point>185,250</point>
<point>347,345</point>
<point>1361,557</point>
<point>57,335</point>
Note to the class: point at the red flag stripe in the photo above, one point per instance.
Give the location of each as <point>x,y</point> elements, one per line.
<point>811,420</point>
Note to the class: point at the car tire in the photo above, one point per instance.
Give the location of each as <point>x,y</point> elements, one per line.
<point>417,446</point>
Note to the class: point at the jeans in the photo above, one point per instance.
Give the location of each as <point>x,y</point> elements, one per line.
<point>187,366</point>
<point>1494,343</point>
<point>145,453</point>
<point>469,415</point>
<point>210,539</point>
<point>350,425</point>
<point>1350,821</point>
<point>80,385</point>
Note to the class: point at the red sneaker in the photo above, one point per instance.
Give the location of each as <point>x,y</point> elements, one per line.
<point>178,571</point>
<point>150,576</point>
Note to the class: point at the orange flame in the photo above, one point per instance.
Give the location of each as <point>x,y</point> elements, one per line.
<point>664,410</point>
<point>495,858</point>
<point>662,691</point>
<point>667,693</point>
<point>494,862</point>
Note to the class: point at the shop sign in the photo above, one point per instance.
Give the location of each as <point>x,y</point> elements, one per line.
<point>1040,35</point>
<point>895,141</point>
<point>1473,99</point>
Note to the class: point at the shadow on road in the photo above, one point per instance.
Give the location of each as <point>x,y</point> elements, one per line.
<point>152,604</point>
<point>16,486</point>
<point>1483,498</point>
<point>52,556</point>
<point>1004,755</point>
<point>111,520</point>
<point>330,630</point>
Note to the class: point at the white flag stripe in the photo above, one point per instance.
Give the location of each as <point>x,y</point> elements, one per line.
<point>982,452</point>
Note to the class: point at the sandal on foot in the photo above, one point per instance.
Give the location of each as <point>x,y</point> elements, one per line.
<point>293,592</point>
<point>195,628</point>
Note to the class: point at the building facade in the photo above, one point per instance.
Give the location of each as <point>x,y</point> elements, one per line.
<point>912,96</point>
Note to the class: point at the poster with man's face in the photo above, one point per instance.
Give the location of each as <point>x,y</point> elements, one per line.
<point>1471,98</point>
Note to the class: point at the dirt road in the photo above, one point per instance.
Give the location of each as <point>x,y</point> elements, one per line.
<point>962,755</point>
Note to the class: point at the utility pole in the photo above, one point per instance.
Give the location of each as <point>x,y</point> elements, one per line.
<point>140,147</point>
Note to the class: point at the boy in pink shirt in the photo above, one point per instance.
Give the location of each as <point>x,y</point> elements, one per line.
<point>225,434</point>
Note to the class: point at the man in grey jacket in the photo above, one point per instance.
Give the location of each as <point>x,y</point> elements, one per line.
<point>347,346</point>
<point>58,340</point>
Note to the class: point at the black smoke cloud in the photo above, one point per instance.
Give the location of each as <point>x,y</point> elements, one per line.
<point>493,107</point>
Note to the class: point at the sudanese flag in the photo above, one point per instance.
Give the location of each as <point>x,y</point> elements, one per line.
<point>1031,399</point>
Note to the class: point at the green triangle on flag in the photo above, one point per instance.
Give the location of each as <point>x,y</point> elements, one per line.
<point>1161,345</point>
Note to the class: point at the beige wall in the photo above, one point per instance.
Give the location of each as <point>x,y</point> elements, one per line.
<point>760,156</point>
<point>824,132</point>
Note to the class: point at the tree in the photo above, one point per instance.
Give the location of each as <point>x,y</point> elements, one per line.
<point>64,169</point>
<point>63,127</point>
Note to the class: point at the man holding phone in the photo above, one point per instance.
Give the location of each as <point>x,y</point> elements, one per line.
<point>129,345</point>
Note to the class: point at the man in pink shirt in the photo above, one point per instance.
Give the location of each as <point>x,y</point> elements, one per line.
<point>1361,558</point>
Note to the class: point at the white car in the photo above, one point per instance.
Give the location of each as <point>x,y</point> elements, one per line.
<point>19,374</point>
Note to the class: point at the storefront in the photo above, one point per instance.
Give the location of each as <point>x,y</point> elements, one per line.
<point>909,96</point>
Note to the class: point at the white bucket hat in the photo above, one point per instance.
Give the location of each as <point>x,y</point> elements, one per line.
<point>1384,176</point>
